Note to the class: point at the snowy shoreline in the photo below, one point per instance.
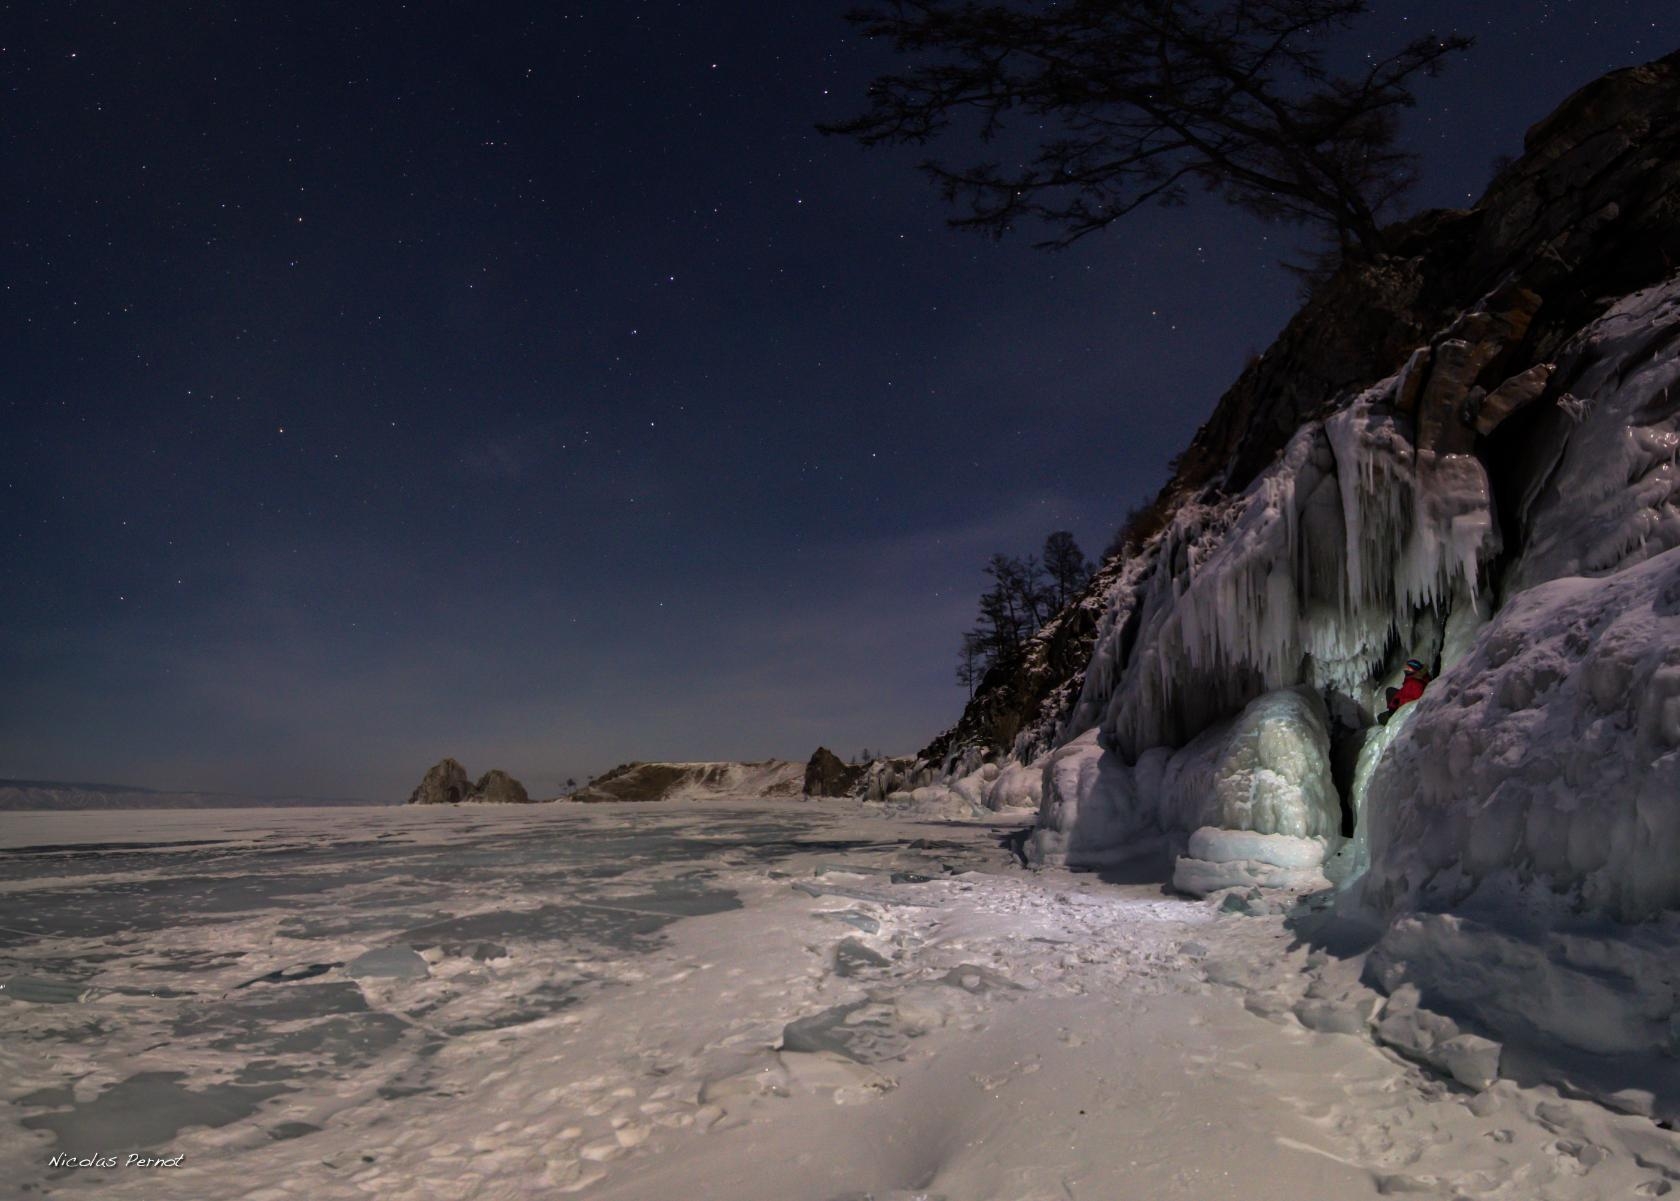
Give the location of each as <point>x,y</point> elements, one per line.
<point>661,1012</point>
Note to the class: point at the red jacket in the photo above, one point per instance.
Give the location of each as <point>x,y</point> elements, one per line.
<point>1410,689</point>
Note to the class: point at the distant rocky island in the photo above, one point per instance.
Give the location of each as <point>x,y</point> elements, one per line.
<point>18,795</point>
<point>447,783</point>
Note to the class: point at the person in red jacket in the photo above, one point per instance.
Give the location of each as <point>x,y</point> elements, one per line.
<point>1416,680</point>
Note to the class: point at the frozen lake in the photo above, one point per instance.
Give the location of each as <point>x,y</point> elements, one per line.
<point>731,1000</point>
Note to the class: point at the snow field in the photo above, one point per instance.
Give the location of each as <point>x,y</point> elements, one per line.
<point>960,1030</point>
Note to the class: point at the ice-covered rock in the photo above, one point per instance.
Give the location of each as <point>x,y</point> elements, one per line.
<point>1308,578</point>
<point>1015,786</point>
<point>1612,495</point>
<point>1091,814</point>
<point>1550,754</point>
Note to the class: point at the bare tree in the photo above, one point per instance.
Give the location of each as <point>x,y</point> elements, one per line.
<point>1066,566</point>
<point>1123,103</point>
<point>971,662</point>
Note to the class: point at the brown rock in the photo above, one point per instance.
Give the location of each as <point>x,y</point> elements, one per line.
<point>445,784</point>
<point>1440,421</point>
<point>1518,392</point>
<point>1410,384</point>
<point>496,787</point>
<point>828,775</point>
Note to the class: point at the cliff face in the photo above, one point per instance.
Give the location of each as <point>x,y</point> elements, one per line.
<point>694,781</point>
<point>1470,311</point>
<point>1468,453</point>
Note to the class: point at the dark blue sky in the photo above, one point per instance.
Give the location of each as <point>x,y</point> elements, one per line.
<point>532,383</point>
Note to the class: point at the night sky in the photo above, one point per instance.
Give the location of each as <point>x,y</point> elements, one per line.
<point>531,383</point>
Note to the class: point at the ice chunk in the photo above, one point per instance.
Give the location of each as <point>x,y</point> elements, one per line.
<point>853,958</point>
<point>286,975</point>
<point>399,963</point>
<point>861,1031</point>
<point>1280,850</point>
<point>1199,877</point>
<point>853,918</point>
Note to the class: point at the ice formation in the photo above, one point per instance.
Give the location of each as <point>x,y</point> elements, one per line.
<point>1551,754</point>
<point>1351,552</point>
<point>1217,859</point>
<point>1268,771</point>
<point>1091,815</point>
<point>1265,771</point>
<point>1310,577</point>
<point>1613,497</point>
<point>1016,786</point>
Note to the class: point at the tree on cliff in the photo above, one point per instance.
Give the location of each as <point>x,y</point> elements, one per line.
<point>1123,103</point>
<point>1011,610</point>
<point>1066,566</point>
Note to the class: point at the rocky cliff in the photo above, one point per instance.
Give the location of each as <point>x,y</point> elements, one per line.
<point>1468,317</point>
<point>1467,452</point>
<point>694,781</point>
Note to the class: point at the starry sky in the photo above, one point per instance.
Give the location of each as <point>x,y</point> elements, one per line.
<point>532,383</point>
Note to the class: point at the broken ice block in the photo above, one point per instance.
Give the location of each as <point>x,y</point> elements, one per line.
<point>398,963</point>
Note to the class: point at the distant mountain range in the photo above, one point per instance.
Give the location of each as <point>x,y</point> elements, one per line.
<point>60,794</point>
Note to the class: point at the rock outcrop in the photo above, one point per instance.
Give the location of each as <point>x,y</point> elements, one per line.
<point>771,778</point>
<point>1466,451</point>
<point>829,775</point>
<point>447,783</point>
<point>496,787</point>
<point>1466,318</point>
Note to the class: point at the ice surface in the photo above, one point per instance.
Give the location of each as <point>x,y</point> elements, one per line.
<point>573,1059</point>
<point>145,1110</point>
<point>40,990</point>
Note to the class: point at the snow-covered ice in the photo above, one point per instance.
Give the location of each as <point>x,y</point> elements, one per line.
<point>637,1002</point>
